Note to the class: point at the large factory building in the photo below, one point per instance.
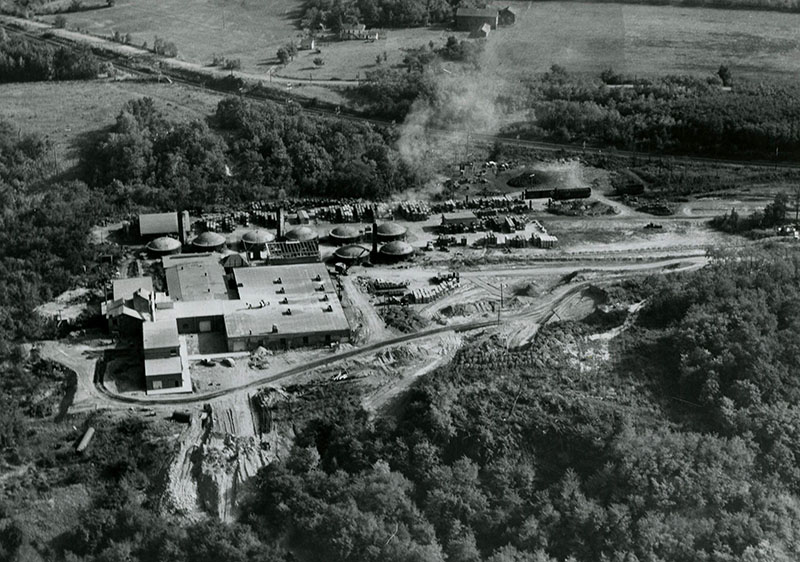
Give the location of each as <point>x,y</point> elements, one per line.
<point>278,307</point>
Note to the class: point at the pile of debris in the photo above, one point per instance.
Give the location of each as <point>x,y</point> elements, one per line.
<point>259,359</point>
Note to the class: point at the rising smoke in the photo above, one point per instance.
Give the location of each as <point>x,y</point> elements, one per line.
<point>464,103</point>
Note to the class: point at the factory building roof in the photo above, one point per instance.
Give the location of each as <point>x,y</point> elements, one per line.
<point>158,223</point>
<point>124,288</point>
<point>160,334</point>
<point>166,366</point>
<point>182,259</point>
<point>275,282</point>
<point>201,281</point>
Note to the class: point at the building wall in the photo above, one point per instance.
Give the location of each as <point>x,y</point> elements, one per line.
<point>286,341</point>
<point>166,381</point>
<point>161,352</point>
<point>193,325</point>
<point>471,23</point>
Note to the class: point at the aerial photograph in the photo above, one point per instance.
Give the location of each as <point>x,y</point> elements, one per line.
<point>399,280</point>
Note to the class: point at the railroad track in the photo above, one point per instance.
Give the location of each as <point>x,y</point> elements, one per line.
<point>282,97</point>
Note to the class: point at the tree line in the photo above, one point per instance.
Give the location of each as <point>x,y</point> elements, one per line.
<point>22,60</point>
<point>245,151</point>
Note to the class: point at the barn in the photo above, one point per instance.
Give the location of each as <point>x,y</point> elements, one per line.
<point>472,19</point>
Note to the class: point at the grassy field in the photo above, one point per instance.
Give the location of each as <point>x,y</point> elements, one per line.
<point>68,113</point>
<point>648,39</point>
<point>251,30</point>
<point>583,37</point>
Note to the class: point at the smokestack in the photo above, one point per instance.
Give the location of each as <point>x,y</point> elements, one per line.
<point>280,223</point>
<point>185,226</point>
<point>153,307</point>
<point>374,232</point>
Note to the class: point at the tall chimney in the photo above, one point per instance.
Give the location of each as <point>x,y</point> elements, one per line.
<point>280,223</point>
<point>374,232</point>
<point>153,306</point>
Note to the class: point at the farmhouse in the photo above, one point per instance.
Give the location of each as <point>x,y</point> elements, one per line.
<point>472,19</point>
<point>279,307</point>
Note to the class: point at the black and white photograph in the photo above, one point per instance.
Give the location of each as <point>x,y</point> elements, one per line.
<point>399,281</point>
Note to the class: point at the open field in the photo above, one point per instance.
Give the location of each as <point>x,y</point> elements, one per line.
<point>647,39</point>
<point>69,112</point>
<point>582,37</point>
<point>248,29</point>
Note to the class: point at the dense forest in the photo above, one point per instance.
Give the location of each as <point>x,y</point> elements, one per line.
<point>249,151</point>
<point>335,14</point>
<point>22,60</point>
<point>672,114</point>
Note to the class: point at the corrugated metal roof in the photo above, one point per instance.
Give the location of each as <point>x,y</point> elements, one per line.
<point>158,223</point>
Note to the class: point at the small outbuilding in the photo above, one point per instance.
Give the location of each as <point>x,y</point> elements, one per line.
<point>256,240</point>
<point>302,234</point>
<point>483,31</point>
<point>396,251</point>
<point>164,246</point>
<point>345,234</point>
<point>390,231</point>
<point>507,16</point>
<point>209,242</point>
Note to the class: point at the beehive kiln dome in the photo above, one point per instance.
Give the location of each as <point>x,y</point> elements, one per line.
<point>391,231</point>
<point>302,234</point>
<point>209,241</point>
<point>257,239</point>
<point>164,245</point>
<point>397,249</point>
